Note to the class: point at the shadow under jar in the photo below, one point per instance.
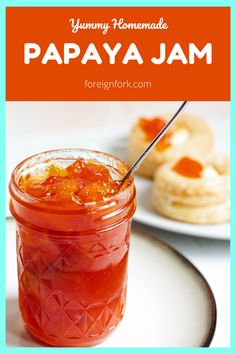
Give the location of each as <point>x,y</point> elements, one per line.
<point>72,260</point>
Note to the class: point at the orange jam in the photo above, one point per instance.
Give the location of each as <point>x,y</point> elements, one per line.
<point>73,235</point>
<point>151,127</point>
<point>188,168</point>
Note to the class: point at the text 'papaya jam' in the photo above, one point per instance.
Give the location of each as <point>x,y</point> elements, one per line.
<point>73,233</point>
<point>188,168</point>
<point>151,127</point>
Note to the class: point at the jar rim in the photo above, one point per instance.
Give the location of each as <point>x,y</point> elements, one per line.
<point>26,199</point>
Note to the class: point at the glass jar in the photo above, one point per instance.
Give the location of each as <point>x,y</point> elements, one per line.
<point>72,262</point>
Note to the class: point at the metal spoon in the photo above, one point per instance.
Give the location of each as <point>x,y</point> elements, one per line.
<point>134,167</point>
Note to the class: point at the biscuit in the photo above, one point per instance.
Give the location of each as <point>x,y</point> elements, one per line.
<point>203,200</point>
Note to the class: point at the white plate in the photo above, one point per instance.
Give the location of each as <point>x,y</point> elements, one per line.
<point>169,303</point>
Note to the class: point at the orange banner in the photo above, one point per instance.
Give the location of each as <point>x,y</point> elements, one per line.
<point>118,53</point>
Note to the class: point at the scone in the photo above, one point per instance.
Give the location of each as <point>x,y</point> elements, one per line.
<point>193,191</point>
<point>188,135</point>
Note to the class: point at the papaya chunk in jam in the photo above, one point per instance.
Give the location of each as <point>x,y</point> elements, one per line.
<point>81,182</point>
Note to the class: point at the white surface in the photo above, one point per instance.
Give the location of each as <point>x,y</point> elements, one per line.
<point>168,304</point>
<point>29,125</point>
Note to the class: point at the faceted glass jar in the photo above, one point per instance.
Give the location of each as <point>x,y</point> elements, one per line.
<point>72,262</point>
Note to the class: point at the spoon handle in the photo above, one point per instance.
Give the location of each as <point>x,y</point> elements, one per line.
<point>134,167</point>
